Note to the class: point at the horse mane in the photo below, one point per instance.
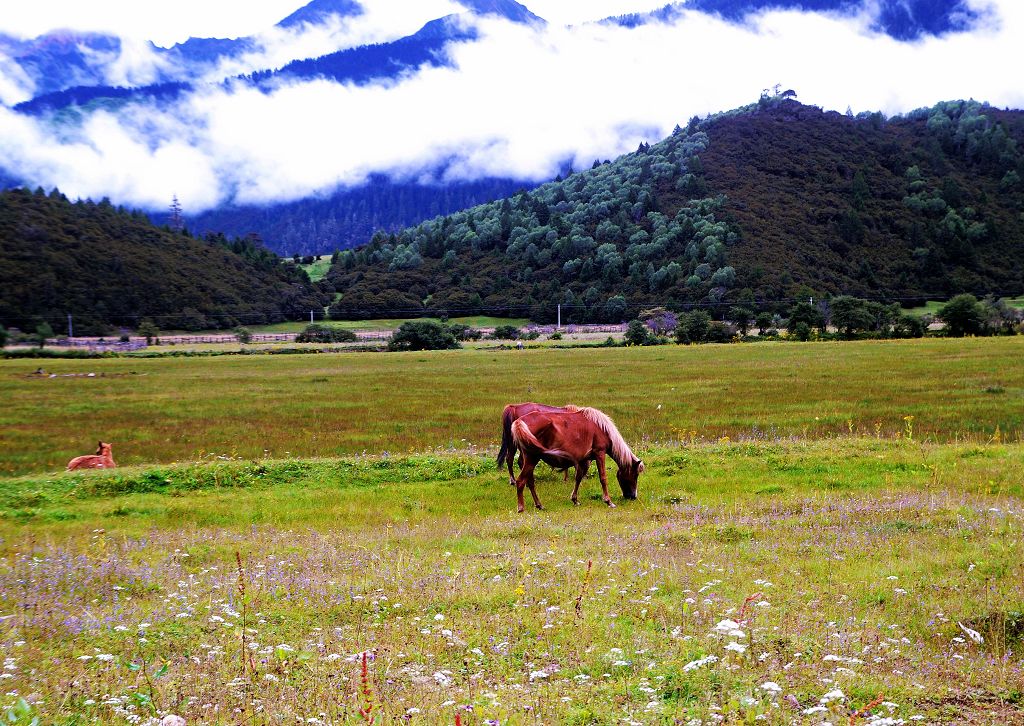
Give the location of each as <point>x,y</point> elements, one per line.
<point>620,449</point>
<point>571,408</point>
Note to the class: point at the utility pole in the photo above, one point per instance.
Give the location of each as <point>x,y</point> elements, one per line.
<point>311,316</point>
<point>71,330</point>
<point>559,316</point>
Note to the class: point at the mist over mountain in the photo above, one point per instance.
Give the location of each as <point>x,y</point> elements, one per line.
<point>341,104</point>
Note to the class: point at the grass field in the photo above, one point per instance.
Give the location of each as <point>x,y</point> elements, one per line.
<point>932,306</point>
<point>278,406</point>
<point>319,268</point>
<point>824,533</point>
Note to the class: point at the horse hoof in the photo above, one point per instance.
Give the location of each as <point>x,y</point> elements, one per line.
<point>611,504</point>
<point>520,510</point>
<point>575,502</point>
<point>540,508</point>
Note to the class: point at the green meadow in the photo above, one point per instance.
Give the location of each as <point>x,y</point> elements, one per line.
<point>180,409</point>
<point>824,533</point>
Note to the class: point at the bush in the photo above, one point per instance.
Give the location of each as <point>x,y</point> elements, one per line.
<point>464,332</point>
<point>908,326</point>
<point>148,330</point>
<point>693,327</point>
<point>637,333</point>
<point>963,315</point>
<point>315,333</point>
<point>719,332</point>
<point>3,336</point>
<point>423,335</point>
<point>801,331</point>
<point>555,336</point>
<point>244,335</point>
<point>506,332</point>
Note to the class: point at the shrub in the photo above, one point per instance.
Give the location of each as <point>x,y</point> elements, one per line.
<point>148,330</point>
<point>3,336</point>
<point>693,327</point>
<point>315,333</point>
<point>719,332</point>
<point>506,332</point>
<point>243,334</point>
<point>908,326</point>
<point>464,332</point>
<point>423,335</point>
<point>637,333</point>
<point>43,331</point>
<point>801,331</point>
<point>963,315</point>
<point>555,336</point>
<point>763,321</point>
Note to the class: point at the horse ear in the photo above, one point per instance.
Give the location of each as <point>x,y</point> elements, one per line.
<point>639,466</point>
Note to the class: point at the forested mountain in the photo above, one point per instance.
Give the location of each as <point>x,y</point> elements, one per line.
<point>349,217</point>
<point>106,266</point>
<point>757,205</point>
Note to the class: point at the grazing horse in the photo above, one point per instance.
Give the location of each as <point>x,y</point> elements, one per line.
<point>574,438</point>
<point>511,413</point>
<point>102,459</point>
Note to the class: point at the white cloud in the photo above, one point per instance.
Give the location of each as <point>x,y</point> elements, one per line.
<point>518,101</point>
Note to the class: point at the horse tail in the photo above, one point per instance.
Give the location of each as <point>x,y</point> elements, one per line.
<point>507,446</point>
<point>522,436</point>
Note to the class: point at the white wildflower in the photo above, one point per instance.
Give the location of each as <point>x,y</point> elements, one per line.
<point>972,634</point>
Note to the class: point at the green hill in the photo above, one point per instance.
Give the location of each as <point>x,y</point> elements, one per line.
<point>756,205</point>
<point>106,266</point>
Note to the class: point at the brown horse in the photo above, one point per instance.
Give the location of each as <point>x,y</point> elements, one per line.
<point>574,438</point>
<point>512,413</point>
<point>102,459</point>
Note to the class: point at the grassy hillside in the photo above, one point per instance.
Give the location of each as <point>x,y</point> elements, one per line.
<point>755,206</point>
<point>163,410</point>
<point>106,266</point>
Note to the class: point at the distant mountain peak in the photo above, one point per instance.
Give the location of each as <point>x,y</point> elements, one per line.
<point>508,9</point>
<point>319,10</point>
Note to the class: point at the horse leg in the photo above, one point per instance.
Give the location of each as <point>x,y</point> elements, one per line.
<point>533,490</point>
<point>604,479</point>
<point>525,476</point>
<point>511,471</point>
<point>581,471</point>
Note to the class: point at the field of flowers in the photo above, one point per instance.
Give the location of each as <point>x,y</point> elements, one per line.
<point>857,579</point>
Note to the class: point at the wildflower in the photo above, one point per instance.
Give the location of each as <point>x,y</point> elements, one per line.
<point>439,617</point>
<point>412,711</point>
<point>105,657</point>
<point>695,664</point>
<point>534,675</point>
<point>442,679</point>
<point>835,695</point>
<point>730,628</point>
<point>972,634</point>
<point>771,687</point>
<point>621,663</point>
<point>736,647</point>
<point>270,677</point>
<point>172,720</point>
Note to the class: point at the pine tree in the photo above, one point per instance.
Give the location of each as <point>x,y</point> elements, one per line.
<point>177,221</point>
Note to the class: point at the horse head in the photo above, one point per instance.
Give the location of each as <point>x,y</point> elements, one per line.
<point>104,449</point>
<point>628,475</point>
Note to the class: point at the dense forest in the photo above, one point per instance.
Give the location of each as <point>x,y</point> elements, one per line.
<point>756,206</point>
<point>348,217</point>
<point>107,266</point>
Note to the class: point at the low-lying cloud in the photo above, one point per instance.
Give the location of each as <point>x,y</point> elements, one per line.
<point>517,102</point>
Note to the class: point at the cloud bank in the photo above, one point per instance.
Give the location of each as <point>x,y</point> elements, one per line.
<point>517,102</point>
